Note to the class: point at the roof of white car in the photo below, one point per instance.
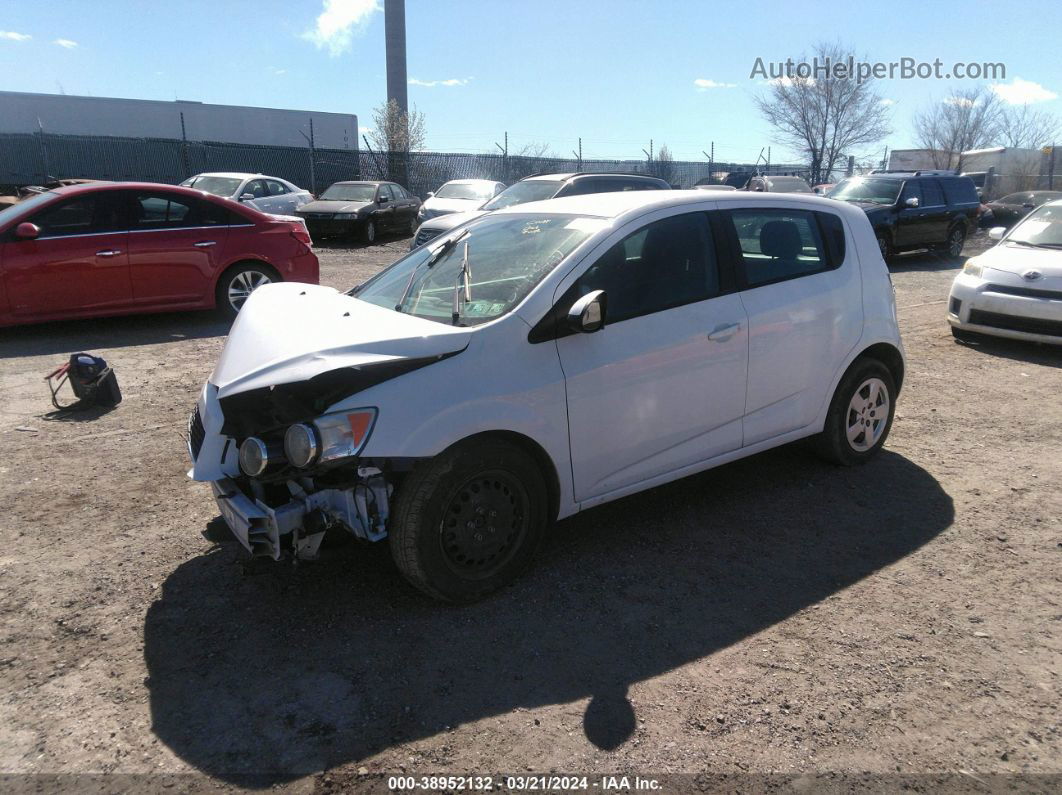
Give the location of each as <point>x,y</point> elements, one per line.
<point>232,174</point>
<point>472,182</point>
<point>618,203</point>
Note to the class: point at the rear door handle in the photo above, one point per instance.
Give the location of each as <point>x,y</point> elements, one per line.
<point>723,333</point>
<point>205,243</point>
<point>109,252</point>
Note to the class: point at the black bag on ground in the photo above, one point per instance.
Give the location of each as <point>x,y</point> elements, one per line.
<point>93,382</point>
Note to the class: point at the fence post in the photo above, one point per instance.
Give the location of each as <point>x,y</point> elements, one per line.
<point>44,152</point>
<point>1051,168</point>
<point>313,162</point>
<point>186,169</point>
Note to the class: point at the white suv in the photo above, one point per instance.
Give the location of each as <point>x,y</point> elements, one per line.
<point>542,360</point>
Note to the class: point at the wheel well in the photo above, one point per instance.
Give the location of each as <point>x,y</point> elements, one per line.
<point>255,262</point>
<point>540,456</point>
<point>889,356</point>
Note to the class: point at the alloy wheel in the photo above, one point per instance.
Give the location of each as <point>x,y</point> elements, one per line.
<point>867,415</point>
<point>243,284</point>
<point>955,243</point>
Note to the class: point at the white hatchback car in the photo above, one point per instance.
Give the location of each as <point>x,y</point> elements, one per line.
<point>541,360</point>
<point>1015,288</point>
<point>458,196</point>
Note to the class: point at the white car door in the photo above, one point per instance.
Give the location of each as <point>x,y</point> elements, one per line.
<point>662,385</point>
<point>801,291</point>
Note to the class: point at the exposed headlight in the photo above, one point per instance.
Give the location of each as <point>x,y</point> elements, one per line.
<point>300,445</point>
<point>345,216</point>
<point>327,438</point>
<point>972,268</point>
<point>254,456</point>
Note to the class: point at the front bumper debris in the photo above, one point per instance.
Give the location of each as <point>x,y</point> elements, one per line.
<point>298,526</point>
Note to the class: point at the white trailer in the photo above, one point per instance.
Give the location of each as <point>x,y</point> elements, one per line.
<point>1001,170</point>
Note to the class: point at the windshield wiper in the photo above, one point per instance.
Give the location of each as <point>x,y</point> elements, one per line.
<point>429,262</point>
<point>1027,243</point>
<point>464,280</point>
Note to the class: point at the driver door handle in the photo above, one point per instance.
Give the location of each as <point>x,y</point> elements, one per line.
<point>725,332</point>
<point>205,243</point>
<point>109,252</point>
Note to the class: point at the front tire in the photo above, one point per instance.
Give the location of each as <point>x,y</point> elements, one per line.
<point>885,246</point>
<point>468,521</point>
<point>236,285</point>
<point>956,240</point>
<point>860,415</point>
<point>368,233</point>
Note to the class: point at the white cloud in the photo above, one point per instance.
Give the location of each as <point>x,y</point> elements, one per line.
<point>703,84</point>
<point>453,81</point>
<point>10,35</point>
<point>65,43</point>
<point>338,22</point>
<point>1023,92</point>
<point>886,102</point>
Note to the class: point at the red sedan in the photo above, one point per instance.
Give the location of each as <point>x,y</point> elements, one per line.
<point>120,248</point>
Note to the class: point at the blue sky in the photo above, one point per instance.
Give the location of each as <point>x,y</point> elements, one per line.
<point>616,72</point>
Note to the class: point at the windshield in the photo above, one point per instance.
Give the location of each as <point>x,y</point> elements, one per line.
<point>507,256</point>
<point>219,186</point>
<point>529,191</point>
<point>350,193</point>
<point>1042,227</point>
<point>456,190</point>
<point>862,189</point>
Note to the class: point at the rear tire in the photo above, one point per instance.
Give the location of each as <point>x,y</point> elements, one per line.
<point>238,282</point>
<point>468,521</point>
<point>860,415</point>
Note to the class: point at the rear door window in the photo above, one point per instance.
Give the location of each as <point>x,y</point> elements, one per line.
<point>932,193</point>
<point>158,210</point>
<point>276,188</point>
<point>775,244</point>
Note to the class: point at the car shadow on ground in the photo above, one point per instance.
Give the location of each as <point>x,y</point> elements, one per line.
<point>1029,352</point>
<point>72,336</point>
<point>353,242</point>
<point>926,261</point>
<point>260,679</point>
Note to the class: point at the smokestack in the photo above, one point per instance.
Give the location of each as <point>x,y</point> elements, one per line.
<point>395,40</point>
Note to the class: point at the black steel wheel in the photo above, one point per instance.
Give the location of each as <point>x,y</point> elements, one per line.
<point>468,521</point>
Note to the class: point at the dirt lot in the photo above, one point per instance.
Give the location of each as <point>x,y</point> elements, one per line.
<point>776,614</point>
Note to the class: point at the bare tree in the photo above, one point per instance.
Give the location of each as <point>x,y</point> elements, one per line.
<point>967,119</point>
<point>1024,128</point>
<point>531,158</point>
<point>825,117</point>
<point>664,165</point>
<point>395,131</point>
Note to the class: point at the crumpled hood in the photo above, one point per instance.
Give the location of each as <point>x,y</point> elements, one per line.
<point>329,206</point>
<point>290,332</point>
<point>1019,259</point>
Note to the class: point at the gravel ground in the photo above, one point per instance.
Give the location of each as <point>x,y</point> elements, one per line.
<point>772,615</point>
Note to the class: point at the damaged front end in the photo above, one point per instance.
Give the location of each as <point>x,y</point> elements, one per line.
<point>270,432</point>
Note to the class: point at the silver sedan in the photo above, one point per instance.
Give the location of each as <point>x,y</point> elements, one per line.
<point>268,194</point>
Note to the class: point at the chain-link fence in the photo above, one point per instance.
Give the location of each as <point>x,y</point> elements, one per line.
<point>35,158</point>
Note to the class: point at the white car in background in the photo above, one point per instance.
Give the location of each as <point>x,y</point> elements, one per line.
<point>543,359</point>
<point>267,194</point>
<point>1015,288</point>
<point>458,196</point>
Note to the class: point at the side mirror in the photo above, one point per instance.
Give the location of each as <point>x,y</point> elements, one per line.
<point>27,231</point>
<point>912,202</point>
<point>758,189</point>
<point>382,200</point>
<point>587,315</point>
<point>1029,205</point>
<point>247,197</point>
<point>431,193</point>
<point>997,232</point>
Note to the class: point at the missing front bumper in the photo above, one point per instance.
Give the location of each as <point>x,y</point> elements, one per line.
<point>299,525</point>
